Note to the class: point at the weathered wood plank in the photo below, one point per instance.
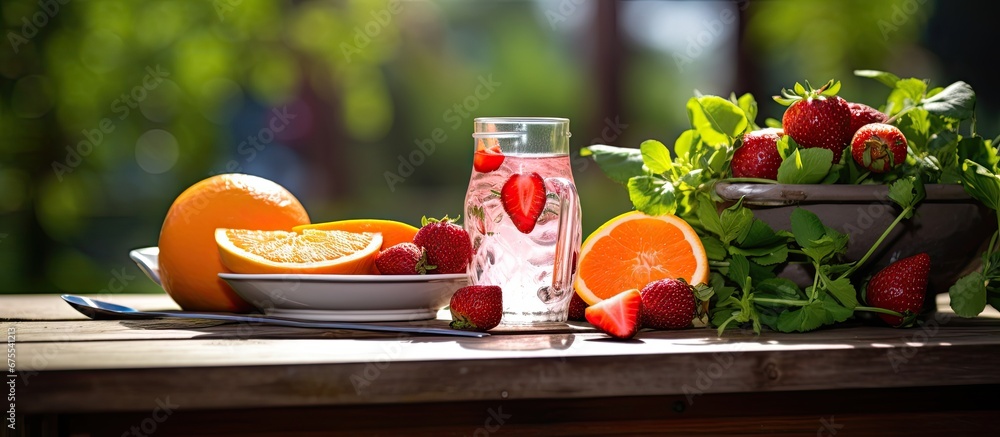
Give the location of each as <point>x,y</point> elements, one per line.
<point>917,411</point>
<point>113,376</point>
<point>51,307</point>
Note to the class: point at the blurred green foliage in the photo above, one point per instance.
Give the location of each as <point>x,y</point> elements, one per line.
<point>364,82</point>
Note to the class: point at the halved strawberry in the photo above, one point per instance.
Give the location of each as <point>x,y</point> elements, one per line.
<point>617,316</point>
<point>523,198</point>
<point>487,159</point>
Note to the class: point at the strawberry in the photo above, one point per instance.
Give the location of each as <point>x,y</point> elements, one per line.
<point>402,259</point>
<point>862,114</point>
<point>817,118</point>
<point>617,316</point>
<point>576,308</point>
<point>900,287</point>
<point>758,156</point>
<point>447,245</point>
<point>878,147</point>
<point>487,159</point>
<point>667,304</point>
<point>476,307</point>
<point>523,198</point>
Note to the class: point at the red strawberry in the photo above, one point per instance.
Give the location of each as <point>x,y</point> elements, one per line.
<point>878,147</point>
<point>576,308</point>
<point>486,160</point>
<point>758,156</point>
<point>817,118</point>
<point>476,307</point>
<point>402,259</point>
<point>862,114</point>
<point>447,245</point>
<point>900,287</point>
<point>617,316</point>
<point>523,198</point>
<point>667,304</point>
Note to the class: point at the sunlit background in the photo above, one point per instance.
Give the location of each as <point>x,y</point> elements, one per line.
<point>110,108</point>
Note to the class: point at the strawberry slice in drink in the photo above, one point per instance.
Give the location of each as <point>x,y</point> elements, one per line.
<point>487,159</point>
<point>523,198</point>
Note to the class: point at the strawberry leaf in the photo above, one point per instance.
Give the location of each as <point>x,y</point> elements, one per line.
<point>843,291</point>
<point>739,272</point>
<point>806,318</point>
<point>748,104</point>
<point>805,166</point>
<point>786,145</point>
<point>968,295</point>
<point>807,227</point>
<point>717,120</point>
<point>956,101</point>
<point>982,184</point>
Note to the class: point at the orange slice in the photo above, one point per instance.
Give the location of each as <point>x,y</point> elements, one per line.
<point>634,249</point>
<point>393,232</point>
<point>312,251</point>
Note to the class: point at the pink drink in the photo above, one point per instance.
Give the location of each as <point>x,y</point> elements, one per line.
<point>536,285</point>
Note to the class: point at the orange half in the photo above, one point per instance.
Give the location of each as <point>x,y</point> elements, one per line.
<point>312,251</point>
<point>634,249</point>
<point>393,232</point>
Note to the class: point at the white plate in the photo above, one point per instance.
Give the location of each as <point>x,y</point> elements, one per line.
<point>340,298</point>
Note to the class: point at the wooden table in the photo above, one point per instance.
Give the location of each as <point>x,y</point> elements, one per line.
<point>82,377</point>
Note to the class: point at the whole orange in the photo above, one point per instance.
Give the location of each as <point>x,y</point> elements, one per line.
<point>189,256</point>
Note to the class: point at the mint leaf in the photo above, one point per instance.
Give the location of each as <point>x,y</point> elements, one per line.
<point>735,222</point>
<point>955,101</point>
<point>907,193</point>
<point>714,249</point>
<point>778,255</point>
<point>739,271</point>
<point>807,227</point>
<point>982,184</point>
<point>805,166</point>
<point>618,163</point>
<point>888,79</point>
<point>717,120</point>
<point>843,291</point>
<point>652,195</point>
<point>709,218</point>
<point>760,233</point>
<point>806,318</point>
<point>718,283</point>
<point>778,288</point>
<point>656,156</point>
<point>968,295</point>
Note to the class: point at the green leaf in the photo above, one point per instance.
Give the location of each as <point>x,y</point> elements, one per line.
<point>834,311</point>
<point>907,192</point>
<point>760,234</point>
<point>656,156</point>
<point>806,318</point>
<point>844,291</point>
<point>687,142</point>
<point>976,149</point>
<point>709,218</point>
<point>807,227</point>
<point>968,295</point>
<point>805,166</point>
<point>739,271</point>
<point>907,93</point>
<point>982,184</point>
<point>888,79</point>
<point>748,104</point>
<point>714,248</point>
<point>772,122</point>
<point>779,255</point>
<point>786,145</point>
<point>718,283</point>
<point>778,288</point>
<point>956,101</point>
<point>618,163</point>
<point>735,222</point>
<point>652,195</point>
<point>716,119</point>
